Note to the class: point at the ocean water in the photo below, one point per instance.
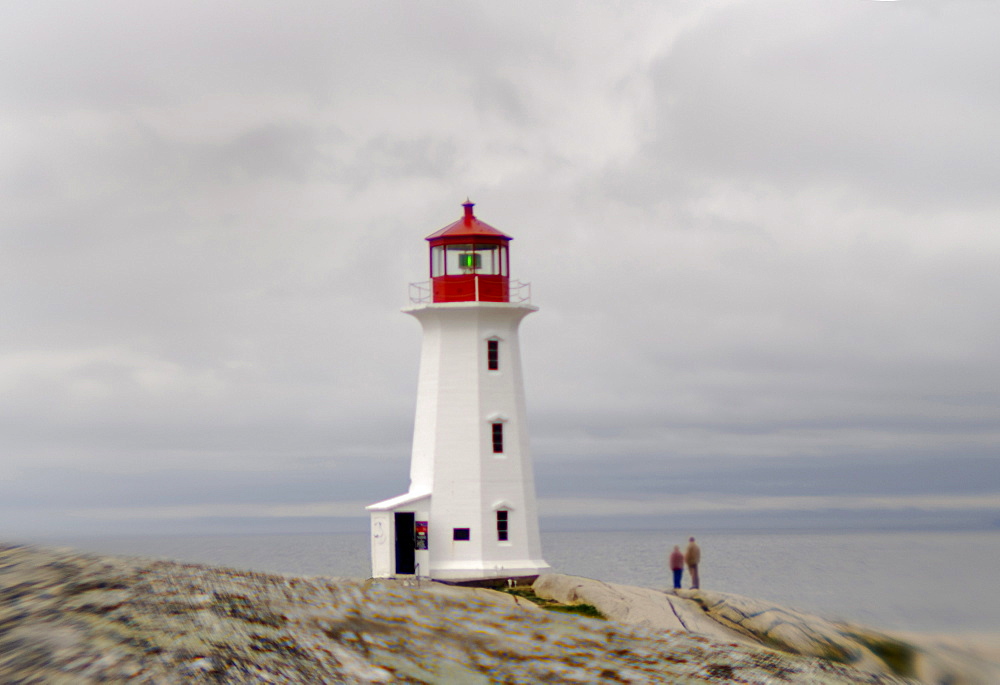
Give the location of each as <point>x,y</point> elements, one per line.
<point>921,581</point>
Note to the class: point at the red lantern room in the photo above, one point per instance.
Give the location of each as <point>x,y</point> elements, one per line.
<point>469,261</point>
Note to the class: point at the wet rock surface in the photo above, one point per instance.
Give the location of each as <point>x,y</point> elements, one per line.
<point>67,617</point>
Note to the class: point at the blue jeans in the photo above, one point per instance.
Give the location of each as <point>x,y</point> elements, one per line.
<point>678,572</point>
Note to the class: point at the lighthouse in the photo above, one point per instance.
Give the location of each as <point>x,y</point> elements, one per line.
<point>470,512</point>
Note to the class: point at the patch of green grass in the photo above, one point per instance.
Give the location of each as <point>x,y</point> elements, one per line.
<point>588,610</point>
<point>898,656</point>
<point>832,652</point>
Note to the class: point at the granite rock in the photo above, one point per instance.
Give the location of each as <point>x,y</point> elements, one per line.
<point>756,623</point>
<point>73,618</point>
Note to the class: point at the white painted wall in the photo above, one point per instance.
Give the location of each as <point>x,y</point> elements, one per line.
<point>458,398</point>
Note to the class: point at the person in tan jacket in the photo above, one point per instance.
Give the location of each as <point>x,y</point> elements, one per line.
<point>692,556</point>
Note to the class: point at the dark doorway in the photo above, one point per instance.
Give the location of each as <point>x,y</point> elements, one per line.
<point>406,560</point>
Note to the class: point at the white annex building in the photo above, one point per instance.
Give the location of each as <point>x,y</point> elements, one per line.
<point>470,512</point>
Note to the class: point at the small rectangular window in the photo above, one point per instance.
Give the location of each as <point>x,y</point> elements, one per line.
<point>497,438</point>
<point>502,525</point>
<point>460,534</point>
<point>493,355</point>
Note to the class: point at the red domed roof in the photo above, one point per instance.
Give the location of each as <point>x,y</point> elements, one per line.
<point>468,227</point>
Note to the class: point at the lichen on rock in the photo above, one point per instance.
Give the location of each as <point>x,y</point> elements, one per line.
<point>67,617</point>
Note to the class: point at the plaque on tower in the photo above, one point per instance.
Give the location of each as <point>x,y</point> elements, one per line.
<point>420,535</point>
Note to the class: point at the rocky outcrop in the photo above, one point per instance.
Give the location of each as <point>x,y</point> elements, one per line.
<point>72,618</point>
<point>647,608</point>
<point>752,622</point>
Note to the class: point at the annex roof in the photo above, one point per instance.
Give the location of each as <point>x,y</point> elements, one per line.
<point>399,500</point>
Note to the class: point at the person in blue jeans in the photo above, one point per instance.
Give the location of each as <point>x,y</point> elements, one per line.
<point>677,565</point>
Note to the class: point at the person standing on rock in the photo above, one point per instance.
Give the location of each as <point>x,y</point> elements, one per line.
<point>677,565</point>
<point>692,555</point>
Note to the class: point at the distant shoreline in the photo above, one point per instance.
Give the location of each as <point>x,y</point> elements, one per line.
<point>890,580</point>
<point>547,527</point>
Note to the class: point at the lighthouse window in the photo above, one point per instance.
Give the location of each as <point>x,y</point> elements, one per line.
<point>460,534</point>
<point>502,525</point>
<point>463,259</point>
<point>437,261</point>
<point>497,438</point>
<point>493,355</point>
<point>491,262</point>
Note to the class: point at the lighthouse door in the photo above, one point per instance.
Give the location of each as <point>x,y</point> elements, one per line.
<point>406,562</point>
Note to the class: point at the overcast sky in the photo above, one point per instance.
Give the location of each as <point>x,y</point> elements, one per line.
<point>763,237</point>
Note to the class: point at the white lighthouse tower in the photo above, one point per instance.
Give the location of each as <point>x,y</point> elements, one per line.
<point>470,512</point>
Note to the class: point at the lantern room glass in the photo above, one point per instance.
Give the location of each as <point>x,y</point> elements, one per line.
<point>463,259</point>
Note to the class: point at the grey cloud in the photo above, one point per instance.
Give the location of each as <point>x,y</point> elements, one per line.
<point>760,236</point>
<point>386,156</point>
<point>163,487</point>
<point>895,104</point>
<point>666,475</point>
<point>282,151</point>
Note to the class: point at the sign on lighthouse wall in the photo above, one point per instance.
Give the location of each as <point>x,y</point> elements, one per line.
<point>470,511</point>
